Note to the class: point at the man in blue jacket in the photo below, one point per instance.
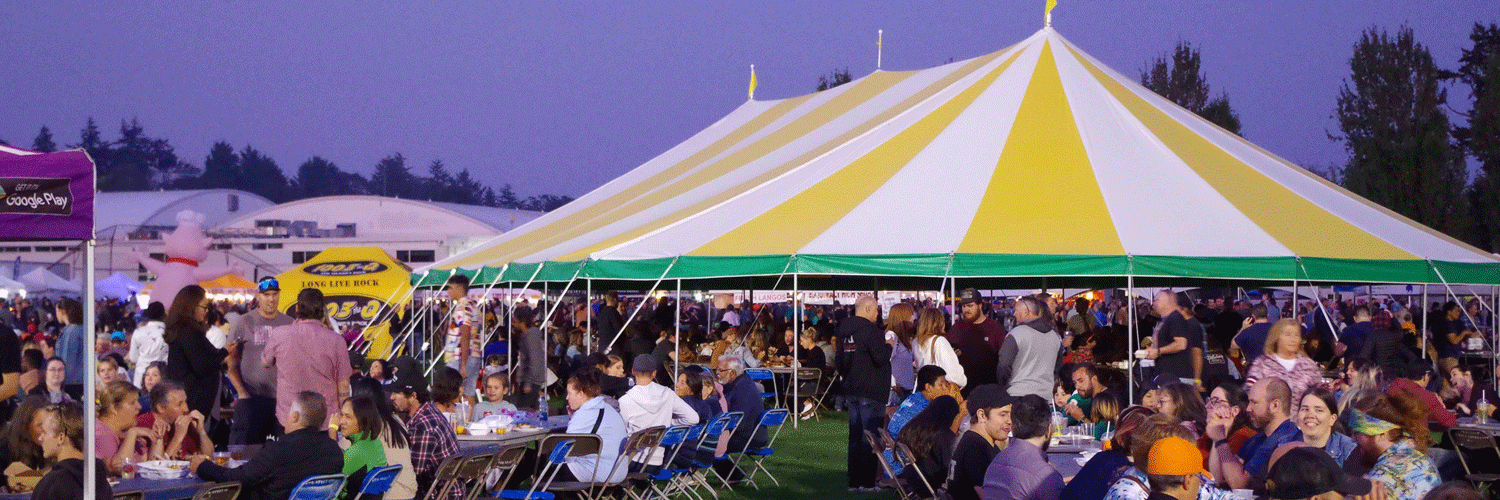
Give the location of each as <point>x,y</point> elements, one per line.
<point>864,359</point>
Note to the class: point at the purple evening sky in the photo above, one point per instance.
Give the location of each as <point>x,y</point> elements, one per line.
<point>560,97</point>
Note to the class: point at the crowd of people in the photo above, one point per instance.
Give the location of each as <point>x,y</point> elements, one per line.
<point>1239,384</point>
<point>973,392</point>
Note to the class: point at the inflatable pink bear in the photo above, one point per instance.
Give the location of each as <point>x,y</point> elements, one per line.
<point>187,247</point>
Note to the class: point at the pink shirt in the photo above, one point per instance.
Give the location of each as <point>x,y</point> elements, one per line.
<point>308,357</point>
<point>106,443</point>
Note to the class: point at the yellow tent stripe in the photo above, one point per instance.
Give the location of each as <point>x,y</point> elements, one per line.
<point>1043,182</point>
<point>788,227</point>
<point>882,117</point>
<point>589,217</point>
<point>858,93</point>
<point>1303,227</point>
<point>1375,206</point>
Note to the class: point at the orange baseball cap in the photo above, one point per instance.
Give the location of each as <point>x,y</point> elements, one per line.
<point>1174,456</point>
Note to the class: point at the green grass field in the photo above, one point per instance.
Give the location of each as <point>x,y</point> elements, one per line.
<point>810,461</point>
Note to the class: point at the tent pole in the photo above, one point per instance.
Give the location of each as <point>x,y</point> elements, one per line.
<point>948,275</point>
<point>676,332</point>
<point>640,306</point>
<point>395,335</point>
<point>510,305</point>
<point>1318,303</point>
<point>797,320</point>
<point>510,318</point>
<point>365,347</point>
<point>1461,306</point>
<point>89,421</point>
<point>1130,326</point>
<point>588,314</point>
<point>1425,314</point>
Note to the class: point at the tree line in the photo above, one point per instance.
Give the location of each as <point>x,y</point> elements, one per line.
<point>137,162</point>
<point>1394,121</point>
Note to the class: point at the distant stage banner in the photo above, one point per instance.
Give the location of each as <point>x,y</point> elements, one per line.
<point>46,196</point>
<point>363,288</point>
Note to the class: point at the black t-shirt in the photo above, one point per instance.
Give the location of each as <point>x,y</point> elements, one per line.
<point>971,457</point>
<point>662,357</point>
<point>1440,331</point>
<point>812,358</point>
<point>1180,363</point>
<point>10,351</point>
<point>66,481</point>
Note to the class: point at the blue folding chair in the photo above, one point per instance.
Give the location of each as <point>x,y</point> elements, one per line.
<point>378,481</point>
<point>318,488</point>
<point>556,460</point>
<point>690,478</point>
<point>731,422</point>
<point>672,440</point>
<point>761,376</point>
<point>771,420</point>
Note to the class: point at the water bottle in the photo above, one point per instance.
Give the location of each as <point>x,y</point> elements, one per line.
<point>541,406</point>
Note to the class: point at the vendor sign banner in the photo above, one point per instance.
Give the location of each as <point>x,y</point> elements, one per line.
<point>46,196</point>
<point>363,287</point>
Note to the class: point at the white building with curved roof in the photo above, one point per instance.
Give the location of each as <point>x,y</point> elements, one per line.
<point>265,238</point>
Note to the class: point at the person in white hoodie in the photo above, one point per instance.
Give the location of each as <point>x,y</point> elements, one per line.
<point>147,343</point>
<point>650,404</point>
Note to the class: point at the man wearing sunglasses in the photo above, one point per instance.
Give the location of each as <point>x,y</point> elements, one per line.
<point>255,383</point>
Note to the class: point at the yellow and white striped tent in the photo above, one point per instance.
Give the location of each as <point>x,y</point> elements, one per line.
<point>1036,160</point>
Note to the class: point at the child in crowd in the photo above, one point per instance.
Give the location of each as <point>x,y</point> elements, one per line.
<point>493,364</point>
<point>495,390</point>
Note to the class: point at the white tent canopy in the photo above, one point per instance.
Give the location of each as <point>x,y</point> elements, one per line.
<point>42,281</point>
<point>117,286</point>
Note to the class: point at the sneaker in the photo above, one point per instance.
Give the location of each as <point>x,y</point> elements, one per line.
<point>807,416</point>
<point>807,407</point>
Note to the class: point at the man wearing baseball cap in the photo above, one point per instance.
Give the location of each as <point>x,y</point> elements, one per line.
<point>976,338</point>
<point>1310,473</point>
<point>253,381</point>
<point>1174,469</point>
<point>989,432</point>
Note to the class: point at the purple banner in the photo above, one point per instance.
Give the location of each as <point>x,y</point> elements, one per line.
<point>46,196</point>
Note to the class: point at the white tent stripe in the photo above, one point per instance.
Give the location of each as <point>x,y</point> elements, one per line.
<point>684,236</point>
<point>740,116</point>
<point>941,188</point>
<point>1129,161</point>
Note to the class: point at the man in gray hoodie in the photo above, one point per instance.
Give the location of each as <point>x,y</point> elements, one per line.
<point>650,404</point>
<point>1028,357</point>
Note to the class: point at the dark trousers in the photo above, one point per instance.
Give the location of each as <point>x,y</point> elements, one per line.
<point>254,419</point>
<point>865,414</point>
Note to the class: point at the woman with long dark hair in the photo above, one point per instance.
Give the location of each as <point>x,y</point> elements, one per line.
<point>18,442</point>
<point>394,440</point>
<point>1227,418</point>
<point>191,359</point>
<point>930,437</point>
<point>1182,401</point>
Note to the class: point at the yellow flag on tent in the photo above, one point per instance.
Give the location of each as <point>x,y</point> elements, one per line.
<point>1050,5</point>
<point>752,81</point>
